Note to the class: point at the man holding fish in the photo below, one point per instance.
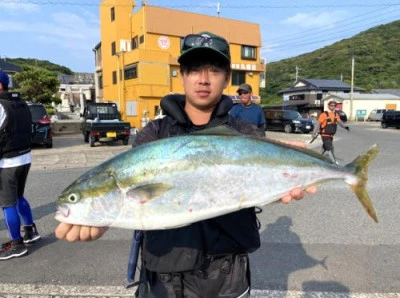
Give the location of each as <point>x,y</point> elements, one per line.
<point>178,181</point>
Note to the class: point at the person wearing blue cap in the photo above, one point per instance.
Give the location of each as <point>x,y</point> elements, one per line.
<point>207,258</point>
<point>15,162</point>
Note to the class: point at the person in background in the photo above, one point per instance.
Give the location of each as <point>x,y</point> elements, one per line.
<point>247,109</point>
<point>207,258</point>
<point>15,162</point>
<point>327,126</point>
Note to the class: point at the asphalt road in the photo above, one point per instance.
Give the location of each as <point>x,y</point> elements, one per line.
<point>322,246</point>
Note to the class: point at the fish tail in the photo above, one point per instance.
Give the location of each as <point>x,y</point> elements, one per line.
<point>359,167</point>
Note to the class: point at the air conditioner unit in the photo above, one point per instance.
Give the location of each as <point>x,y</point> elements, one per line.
<point>122,45</point>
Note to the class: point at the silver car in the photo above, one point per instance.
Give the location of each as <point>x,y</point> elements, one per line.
<point>376,114</point>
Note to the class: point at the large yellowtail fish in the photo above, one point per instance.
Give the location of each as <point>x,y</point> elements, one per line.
<point>176,181</point>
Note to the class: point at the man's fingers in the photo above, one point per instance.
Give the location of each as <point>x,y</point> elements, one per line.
<point>74,234</point>
<point>62,230</point>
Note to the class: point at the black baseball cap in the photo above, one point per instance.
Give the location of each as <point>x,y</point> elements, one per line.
<point>245,88</point>
<point>204,43</point>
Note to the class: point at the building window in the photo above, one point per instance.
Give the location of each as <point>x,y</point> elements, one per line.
<point>249,53</point>
<point>114,77</point>
<point>141,39</point>
<point>135,43</point>
<point>297,97</point>
<point>113,48</point>
<point>100,82</point>
<point>319,96</point>
<point>130,72</point>
<point>131,108</point>
<point>112,14</point>
<point>238,77</point>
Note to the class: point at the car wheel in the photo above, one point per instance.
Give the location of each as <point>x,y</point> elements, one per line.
<point>125,141</point>
<point>92,140</point>
<point>384,125</point>
<point>49,144</point>
<point>288,128</point>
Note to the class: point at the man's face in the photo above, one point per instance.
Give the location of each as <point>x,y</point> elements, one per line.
<point>332,107</point>
<point>204,86</point>
<point>245,97</point>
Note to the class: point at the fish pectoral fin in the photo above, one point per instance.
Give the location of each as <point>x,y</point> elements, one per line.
<point>149,192</point>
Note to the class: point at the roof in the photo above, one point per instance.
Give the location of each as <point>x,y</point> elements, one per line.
<point>359,96</point>
<point>317,84</point>
<point>77,78</point>
<point>386,91</point>
<point>234,31</point>
<point>9,67</point>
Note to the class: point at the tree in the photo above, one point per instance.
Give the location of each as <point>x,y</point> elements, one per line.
<point>36,84</point>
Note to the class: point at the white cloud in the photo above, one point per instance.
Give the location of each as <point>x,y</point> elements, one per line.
<point>14,8</point>
<point>316,19</point>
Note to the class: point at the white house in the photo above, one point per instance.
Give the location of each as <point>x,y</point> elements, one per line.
<point>363,104</point>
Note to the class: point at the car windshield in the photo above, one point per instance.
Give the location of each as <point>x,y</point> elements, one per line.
<point>38,112</point>
<point>292,115</point>
<point>106,109</point>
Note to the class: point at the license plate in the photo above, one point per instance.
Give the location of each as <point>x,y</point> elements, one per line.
<point>308,126</point>
<point>111,134</point>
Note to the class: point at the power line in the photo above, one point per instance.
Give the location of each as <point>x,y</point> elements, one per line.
<point>230,6</point>
<point>328,27</point>
<point>307,41</point>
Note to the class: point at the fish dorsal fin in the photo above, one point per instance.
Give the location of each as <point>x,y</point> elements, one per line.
<point>149,192</point>
<point>221,130</point>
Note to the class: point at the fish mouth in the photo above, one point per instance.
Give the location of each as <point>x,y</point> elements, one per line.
<point>63,210</point>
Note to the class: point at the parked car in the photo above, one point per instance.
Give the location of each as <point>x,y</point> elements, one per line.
<point>41,130</point>
<point>390,119</point>
<point>287,121</point>
<point>376,114</point>
<point>342,115</point>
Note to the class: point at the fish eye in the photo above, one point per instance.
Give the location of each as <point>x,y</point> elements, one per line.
<point>73,198</point>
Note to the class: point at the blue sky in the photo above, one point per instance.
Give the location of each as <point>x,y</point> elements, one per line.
<point>65,31</point>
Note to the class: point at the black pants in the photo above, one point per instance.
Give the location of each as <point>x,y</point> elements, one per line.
<point>223,277</point>
<point>12,184</point>
<point>327,143</point>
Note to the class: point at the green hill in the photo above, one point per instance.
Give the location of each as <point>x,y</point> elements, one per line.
<point>377,62</point>
<point>55,68</point>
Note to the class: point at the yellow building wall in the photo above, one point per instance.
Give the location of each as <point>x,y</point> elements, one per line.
<point>156,57</point>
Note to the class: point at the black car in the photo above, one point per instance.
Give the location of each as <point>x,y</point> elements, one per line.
<point>41,130</point>
<point>287,121</point>
<point>342,115</point>
<point>390,118</point>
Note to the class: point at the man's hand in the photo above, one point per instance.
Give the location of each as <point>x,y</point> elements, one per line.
<point>73,233</point>
<point>347,128</point>
<point>297,194</point>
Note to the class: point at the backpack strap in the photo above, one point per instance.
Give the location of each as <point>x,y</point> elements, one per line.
<point>334,118</point>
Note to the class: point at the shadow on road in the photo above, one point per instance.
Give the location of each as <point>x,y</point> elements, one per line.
<point>282,254</point>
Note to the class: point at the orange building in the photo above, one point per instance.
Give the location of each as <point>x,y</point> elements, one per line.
<point>136,60</point>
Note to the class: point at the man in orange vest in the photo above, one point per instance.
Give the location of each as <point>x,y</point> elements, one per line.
<point>326,126</point>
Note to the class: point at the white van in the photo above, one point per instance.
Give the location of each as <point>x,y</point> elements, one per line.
<point>376,114</point>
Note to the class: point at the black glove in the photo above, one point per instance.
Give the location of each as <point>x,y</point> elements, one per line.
<point>347,128</point>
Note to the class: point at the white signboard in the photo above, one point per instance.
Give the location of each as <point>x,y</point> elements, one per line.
<point>164,42</point>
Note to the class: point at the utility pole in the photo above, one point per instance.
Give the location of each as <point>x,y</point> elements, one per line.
<point>297,72</point>
<point>352,88</point>
<point>218,10</point>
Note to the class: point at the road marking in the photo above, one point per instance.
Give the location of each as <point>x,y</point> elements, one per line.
<point>49,291</point>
